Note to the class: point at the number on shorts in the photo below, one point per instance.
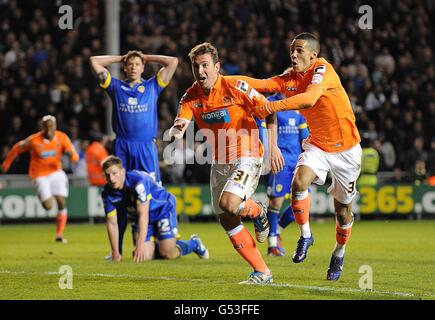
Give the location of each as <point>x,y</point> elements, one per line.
<point>351,187</point>
<point>241,177</point>
<point>163,225</point>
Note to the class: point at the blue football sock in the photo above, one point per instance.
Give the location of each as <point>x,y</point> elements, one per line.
<point>187,246</point>
<point>287,217</point>
<point>272,216</point>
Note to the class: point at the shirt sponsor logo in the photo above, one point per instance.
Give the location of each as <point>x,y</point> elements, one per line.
<point>242,86</point>
<point>48,153</point>
<point>140,190</point>
<point>132,101</point>
<point>254,93</point>
<point>320,69</point>
<point>219,116</point>
<point>317,78</point>
<point>133,108</point>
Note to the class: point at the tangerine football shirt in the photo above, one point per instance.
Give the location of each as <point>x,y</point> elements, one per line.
<point>45,155</point>
<point>225,117</point>
<point>331,120</point>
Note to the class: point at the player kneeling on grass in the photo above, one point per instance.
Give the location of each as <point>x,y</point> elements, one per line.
<point>135,194</point>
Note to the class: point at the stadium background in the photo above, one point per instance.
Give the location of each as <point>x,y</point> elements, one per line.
<point>388,72</point>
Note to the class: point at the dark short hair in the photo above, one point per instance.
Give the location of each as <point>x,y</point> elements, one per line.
<point>311,39</point>
<point>204,48</point>
<point>132,54</point>
<point>111,161</point>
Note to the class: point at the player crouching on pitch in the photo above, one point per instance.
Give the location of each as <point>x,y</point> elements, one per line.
<point>135,194</point>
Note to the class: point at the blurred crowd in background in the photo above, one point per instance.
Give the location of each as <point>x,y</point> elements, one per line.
<point>387,71</point>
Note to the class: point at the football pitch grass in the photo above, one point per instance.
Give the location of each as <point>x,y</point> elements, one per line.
<point>400,254</point>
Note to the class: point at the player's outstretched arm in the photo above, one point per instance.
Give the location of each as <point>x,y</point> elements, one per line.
<point>276,159</point>
<point>19,147</point>
<point>263,85</point>
<point>169,65</point>
<point>112,232</point>
<point>299,101</point>
<point>139,254</point>
<point>99,63</point>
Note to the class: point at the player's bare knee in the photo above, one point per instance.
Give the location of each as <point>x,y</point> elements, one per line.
<point>148,257</point>
<point>229,204</point>
<point>60,201</point>
<point>47,204</point>
<point>300,183</point>
<point>169,254</point>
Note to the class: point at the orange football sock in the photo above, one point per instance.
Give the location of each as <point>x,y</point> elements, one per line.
<point>301,210</point>
<point>61,220</point>
<point>249,208</point>
<point>342,235</point>
<point>246,247</point>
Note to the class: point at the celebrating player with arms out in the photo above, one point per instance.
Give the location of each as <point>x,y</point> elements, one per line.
<point>221,106</point>
<point>46,148</point>
<point>333,145</point>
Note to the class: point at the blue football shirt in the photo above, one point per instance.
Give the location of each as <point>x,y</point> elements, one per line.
<point>134,115</point>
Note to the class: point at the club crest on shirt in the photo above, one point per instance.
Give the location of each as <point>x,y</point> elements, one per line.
<point>141,89</point>
<point>226,99</point>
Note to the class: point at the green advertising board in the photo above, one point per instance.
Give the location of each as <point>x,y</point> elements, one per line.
<point>194,200</point>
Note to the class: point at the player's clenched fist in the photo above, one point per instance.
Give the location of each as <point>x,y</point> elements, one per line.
<point>260,107</point>
<point>177,130</point>
<point>261,111</point>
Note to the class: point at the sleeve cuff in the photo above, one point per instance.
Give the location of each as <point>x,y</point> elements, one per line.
<point>111,214</point>
<point>106,83</point>
<point>161,83</point>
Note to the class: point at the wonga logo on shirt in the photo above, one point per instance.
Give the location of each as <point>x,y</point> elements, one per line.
<point>48,153</point>
<point>219,116</point>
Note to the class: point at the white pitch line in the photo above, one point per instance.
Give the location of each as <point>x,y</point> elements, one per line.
<point>314,288</point>
<point>404,294</point>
